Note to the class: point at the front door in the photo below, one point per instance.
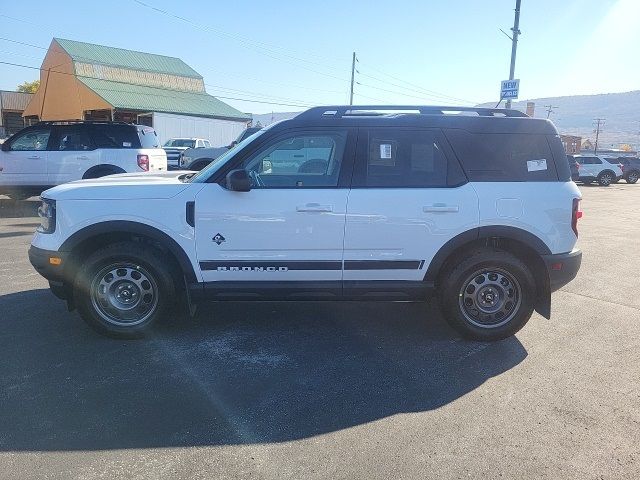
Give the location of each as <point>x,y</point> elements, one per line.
<point>409,197</point>
<point>25,161</point>
<point>290,225</point>
<point>72,153</point>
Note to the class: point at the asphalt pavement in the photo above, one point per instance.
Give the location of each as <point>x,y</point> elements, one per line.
<point>327,389</point>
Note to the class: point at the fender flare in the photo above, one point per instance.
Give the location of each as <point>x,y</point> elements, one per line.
<point>123,226</point>
<point>532,241</point>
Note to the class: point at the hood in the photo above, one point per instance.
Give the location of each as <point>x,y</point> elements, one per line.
<point>122,186</point>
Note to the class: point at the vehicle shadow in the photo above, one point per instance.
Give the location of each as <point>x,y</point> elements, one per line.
<point>238,373</point>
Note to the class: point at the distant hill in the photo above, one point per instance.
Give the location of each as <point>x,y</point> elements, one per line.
<point>575,114</point>
<point>266,119</point>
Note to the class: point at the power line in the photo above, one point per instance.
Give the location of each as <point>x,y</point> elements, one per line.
<point>273,53</point>
<point>158,88</point>
<point>415,88</point>
<point>209,70</point>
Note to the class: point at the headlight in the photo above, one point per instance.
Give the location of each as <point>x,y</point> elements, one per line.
<point>47,214</point>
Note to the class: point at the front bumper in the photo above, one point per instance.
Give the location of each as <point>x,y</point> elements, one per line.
<point>562,268</point>
<point>42,261</point>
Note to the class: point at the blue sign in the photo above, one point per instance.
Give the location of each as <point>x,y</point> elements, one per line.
<point>509,88</point>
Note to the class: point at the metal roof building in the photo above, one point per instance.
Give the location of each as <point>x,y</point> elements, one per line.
<point>12,104</point>
<point>83,81</point>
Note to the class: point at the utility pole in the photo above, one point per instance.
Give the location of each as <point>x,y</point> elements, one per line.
<point>550,109</point>
<point>598,124</point>
<point>353,74</point>
<point>514,45</point>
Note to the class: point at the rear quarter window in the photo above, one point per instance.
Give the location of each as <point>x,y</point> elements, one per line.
<point>148,137</point>
<point>507,157</point>
<point>114,136</point>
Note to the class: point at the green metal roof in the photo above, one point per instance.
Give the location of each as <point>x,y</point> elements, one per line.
<point>119,57</point>
<point>151,99</point>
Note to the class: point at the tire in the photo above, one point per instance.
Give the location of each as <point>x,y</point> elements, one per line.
<point>632,177</point>
<point>606,178</point>
<point>489,295</point>
<point>100,172</point>
<point>123,289</point>
<point>199,165</point>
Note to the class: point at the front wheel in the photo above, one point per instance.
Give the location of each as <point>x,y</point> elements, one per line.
<point>123,289</point>
<point>489,295</point>
<point>605,179</point>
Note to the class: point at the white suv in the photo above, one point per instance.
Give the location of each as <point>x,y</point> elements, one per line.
<point>361,203</point>
<point>50,153</point>
<point>597,169</point>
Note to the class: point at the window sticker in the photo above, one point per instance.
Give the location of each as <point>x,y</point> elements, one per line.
<point>385,151</point>
<point>536,165</point>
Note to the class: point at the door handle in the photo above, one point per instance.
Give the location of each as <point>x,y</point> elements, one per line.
<point>33,157</point>
<point>440,208</point>
<point>82,157</point>
<point>314,207</point>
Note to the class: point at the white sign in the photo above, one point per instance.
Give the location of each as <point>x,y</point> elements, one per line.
<point>509,88</point>
<point>536,165</point>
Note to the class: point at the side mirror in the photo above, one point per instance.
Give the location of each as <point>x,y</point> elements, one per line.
<point>238,181</point>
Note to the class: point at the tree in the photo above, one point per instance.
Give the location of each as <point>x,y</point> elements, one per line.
<point>626,147</point>
<point>29,87</point>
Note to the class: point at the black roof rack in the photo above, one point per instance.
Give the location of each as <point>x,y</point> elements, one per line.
<point>339,111</point>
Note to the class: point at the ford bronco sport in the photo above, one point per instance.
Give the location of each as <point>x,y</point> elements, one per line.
<point>474,206</point>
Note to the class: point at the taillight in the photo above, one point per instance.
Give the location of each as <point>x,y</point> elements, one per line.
<point>576,214</point>
<point>143,162</point>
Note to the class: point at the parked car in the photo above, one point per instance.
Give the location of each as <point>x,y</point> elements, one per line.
<point>339,202</point>
<point>175,146</point>
<point>598,169</point>
<point>51,153</point>
<point>630,168</point>
<point>196,160</point>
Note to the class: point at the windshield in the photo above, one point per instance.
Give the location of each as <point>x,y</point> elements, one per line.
<point>214,166</point>
<point>180,142</point>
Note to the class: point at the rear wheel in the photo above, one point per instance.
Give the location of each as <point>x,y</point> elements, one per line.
<point>632,177</point>
<point>605,179</point>
<point>123,289</point>
<point>98,173</point>
<point>489,295</point>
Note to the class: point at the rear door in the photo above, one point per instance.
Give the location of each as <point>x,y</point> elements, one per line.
<point>290,225</point>
<point>72,154</point>
<point>408,198</point>
<point>25,162</point>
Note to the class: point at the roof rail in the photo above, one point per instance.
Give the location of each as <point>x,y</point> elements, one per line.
<point>51,122</point>
<point>338,111</point>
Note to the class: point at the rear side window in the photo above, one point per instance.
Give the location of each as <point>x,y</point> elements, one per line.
<point>504,157</point>
<point>72,138</point>
<point>404,158</point>
<point>114,136</point>
<point>149,138</point>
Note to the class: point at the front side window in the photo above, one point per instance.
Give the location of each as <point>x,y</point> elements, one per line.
<point>404,158</point>
<point>73,138</point>
<point>180,142</point>
<point>31,140</point>
<point>298,161</point>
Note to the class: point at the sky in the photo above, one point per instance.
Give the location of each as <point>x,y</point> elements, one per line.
<point>284,55</point>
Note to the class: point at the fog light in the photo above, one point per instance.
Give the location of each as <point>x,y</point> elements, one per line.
<point>55,260</point>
